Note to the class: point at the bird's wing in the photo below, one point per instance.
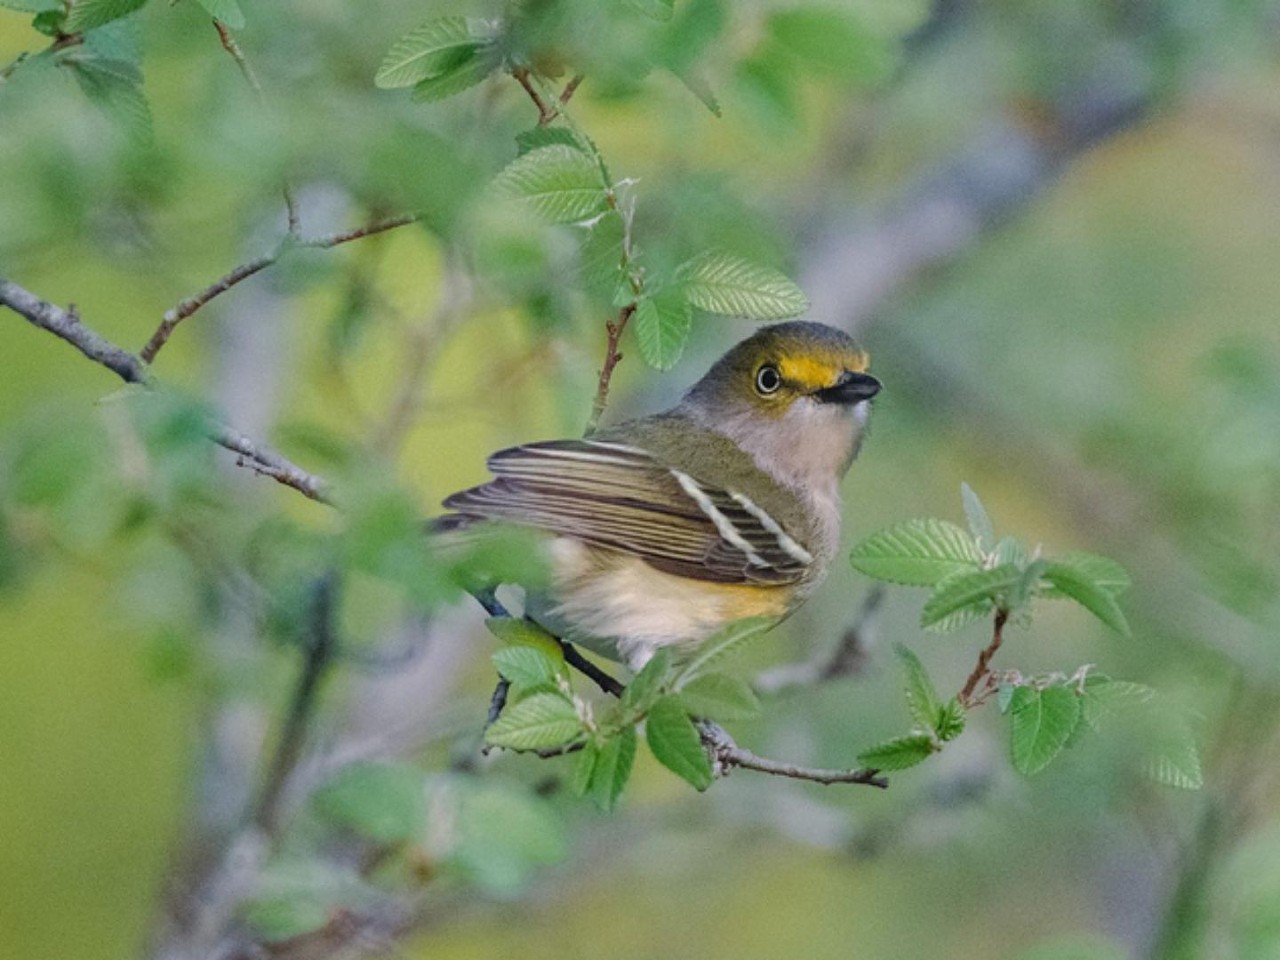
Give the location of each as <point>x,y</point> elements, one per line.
<point>619,497</point>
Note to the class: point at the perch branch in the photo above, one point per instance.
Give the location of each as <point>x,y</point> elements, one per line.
<point>613,330</point>
<point>728,754</point>
<point>982,668</point>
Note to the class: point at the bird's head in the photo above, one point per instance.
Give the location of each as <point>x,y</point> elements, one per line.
<point>793,394</point>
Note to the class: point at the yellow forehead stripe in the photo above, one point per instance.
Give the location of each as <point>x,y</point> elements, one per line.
<point>820,372</point>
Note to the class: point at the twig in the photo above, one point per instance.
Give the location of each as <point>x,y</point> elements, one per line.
<point>983,667</point>
<point>190,305</point>
<point>613,329</point>
<point>130,368</point>
<point>846,659</point>
<point>229,44</point>
<point>728,755</point>
<point>320,645</point>
<point>546,112</point>
<point>570,89</point>
<point>497,701</point>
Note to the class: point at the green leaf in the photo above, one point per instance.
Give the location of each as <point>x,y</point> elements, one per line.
<point>527,666</point>
<point>87,14</point>
<point>227,11</point>
<point>662,325</point>
<point>1105,698</point>
<point>1076,581</point>
<point>1105,573</point>
<point>731,286</point>
<point>584,768</point>
<point>612,768</point>
<point>1175,760</point>
<point>1043,721</point>
<point>719,696</point>
<point>465,71</point>
<point>951,720</point>
<point>675,742</point>
<point>118,40</point>
<point>922,697</point>
<point>720,645</point>
<point>529,140</point>
<point>1004,696</point>
<point>382,801</point>
<point>540,721</point>
<point>116,87</point>
<point>968,589</point>
<point>830,41</point>
<point>297,897</point>
<point>432,49</point>
<point>1011,550</point>
<point>919,553</point>
<point>526,633</point>
<point>979,522</point>
<point>502,833</point>
<point>558,183</point>
<point>647,684</point>
<point>1028,585</point>
<point>601,257</point>
<point>899,753</point>
<point>962,618</point>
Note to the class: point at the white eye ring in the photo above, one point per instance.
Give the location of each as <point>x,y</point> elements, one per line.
<point>768,380</point>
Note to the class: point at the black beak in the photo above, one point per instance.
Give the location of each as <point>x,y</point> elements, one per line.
<point>851,388</point>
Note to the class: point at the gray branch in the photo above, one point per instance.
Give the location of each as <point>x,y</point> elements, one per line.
<point>130,368</point>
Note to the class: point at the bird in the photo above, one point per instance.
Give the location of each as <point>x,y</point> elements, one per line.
<point>662,530</point>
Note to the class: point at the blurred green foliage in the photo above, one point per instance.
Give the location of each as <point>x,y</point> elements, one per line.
<point>1105,369</point>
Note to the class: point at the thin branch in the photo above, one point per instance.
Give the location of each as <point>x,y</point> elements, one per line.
<point>728,755</point>
<point>546,112</point>
<point>320,646</point>
<point>613,330</point>
<point>229,44</point>
<point>190,305</point>
<point>847,659</point>
<point>570,89</point>
<point>130,368</point>
<point>983,667</point>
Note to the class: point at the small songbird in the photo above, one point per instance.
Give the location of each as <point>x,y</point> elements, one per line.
<point>663,530</point>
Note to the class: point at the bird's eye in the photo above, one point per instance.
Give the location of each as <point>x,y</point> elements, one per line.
<point>768,380</point>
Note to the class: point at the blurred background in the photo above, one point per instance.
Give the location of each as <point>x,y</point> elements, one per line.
<point>1052,223</point>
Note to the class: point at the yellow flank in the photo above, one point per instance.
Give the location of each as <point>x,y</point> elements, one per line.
<point>811,372</point>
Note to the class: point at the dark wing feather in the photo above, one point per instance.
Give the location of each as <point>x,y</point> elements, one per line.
<point>621,498</point>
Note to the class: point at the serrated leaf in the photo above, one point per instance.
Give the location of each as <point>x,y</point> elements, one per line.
<point>1175,761</point>
<point>382,801</point>
<point>87,14</point>
<point>968,589</point>
<point>1104,698</point>
<point>558,183</point>
<point>1027,586</point>
<point>1004,696</point>
<point>979,522</point>
<point>227,11</point>
<point>119,40</point>
<point>719,696</point>
<point>919,553</point>
<point>116,87</point>
<point>463,72</point>
<point>1043,721</point>
<point>675,743</point>
<point>662,325</point>
<point>600,260</point>
<point>540,721</point>
<point>1104,572</point>
<point>1011,550</point>
<point>922,697</point>
<point>612,768</point>
<point>962,618</point>
<point>433,48</point>
<point>527,140</point>
<point>526,633</point>
<point>951,720</point>
<point>1076,581</point>
<point>899,753</point>
<point>647,684</point>
<point>584,768</point>
<point>726,284</point>
<point>526,666</point>
<point>721,645</point>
